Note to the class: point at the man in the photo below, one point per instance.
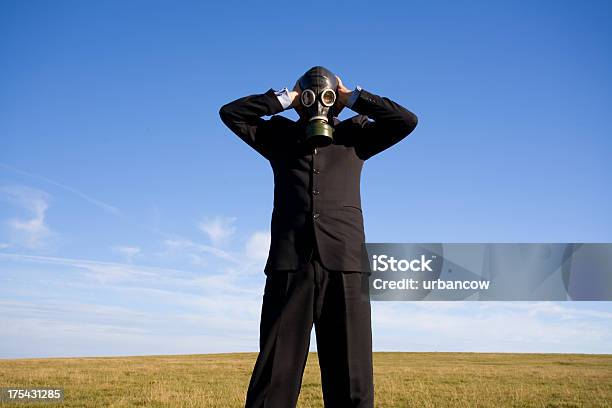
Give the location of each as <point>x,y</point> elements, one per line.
<point>315,263</point>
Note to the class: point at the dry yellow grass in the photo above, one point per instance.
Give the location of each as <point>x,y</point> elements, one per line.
<point>401,380</point>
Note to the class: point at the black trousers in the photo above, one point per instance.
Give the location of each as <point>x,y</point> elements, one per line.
<point>333,301</point>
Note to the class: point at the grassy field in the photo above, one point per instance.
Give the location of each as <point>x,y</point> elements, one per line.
<point>401,380</point>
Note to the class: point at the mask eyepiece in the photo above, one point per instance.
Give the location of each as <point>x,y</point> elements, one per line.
<point>328,97</point>
<point>308,97</point>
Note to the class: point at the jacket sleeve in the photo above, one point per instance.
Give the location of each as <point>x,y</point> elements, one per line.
<point>244,117</point>
<point>391,123</point>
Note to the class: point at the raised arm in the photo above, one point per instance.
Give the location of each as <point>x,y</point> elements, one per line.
<point>391,121</point>
<point>244,117</point>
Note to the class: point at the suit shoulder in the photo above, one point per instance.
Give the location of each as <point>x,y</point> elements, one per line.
<point>274,123</point>
<point>353,121</point>
<point>281,119</point>
<point>348,128</point>
<point>280,122</point>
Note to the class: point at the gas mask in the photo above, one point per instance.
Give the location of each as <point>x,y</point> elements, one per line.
<point>318,86</point>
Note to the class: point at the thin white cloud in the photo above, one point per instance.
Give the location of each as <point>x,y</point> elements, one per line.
<point>123,274</point>
<point>104,206</point>
<point>258,245</point>
<point>172,306</point>
<point>547,308</point>
<point>222,308</point>
<point>489,326</point>
<point>129,252</point>
<point>32,231</point>
<point>40,337</point>
<point>195,250</point>
<point>247,261</point>
<point>218,229</point>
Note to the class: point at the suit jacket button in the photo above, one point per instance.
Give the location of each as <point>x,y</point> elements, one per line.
<point>316,171</point>
<point>315,215</point>
<point>315,192</point>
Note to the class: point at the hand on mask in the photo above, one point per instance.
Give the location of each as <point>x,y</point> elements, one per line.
<point>295,95</point>
<point>343,93</point>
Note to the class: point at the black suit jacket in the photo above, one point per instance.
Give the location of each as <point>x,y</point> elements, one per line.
<point>316,191</point>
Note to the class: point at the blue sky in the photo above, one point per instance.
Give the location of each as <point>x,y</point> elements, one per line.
<point>125,226</point>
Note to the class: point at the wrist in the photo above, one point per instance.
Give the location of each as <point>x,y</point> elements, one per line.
<point>285,98</point>
<point>353,95</point>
